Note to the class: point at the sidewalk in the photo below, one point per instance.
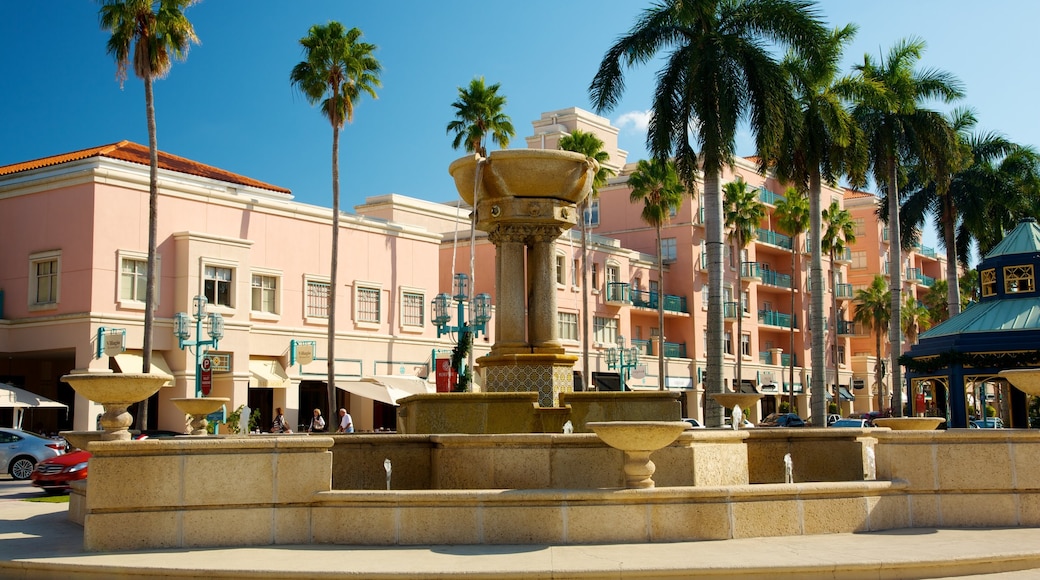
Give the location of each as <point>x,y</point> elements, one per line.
<point>36,541</point>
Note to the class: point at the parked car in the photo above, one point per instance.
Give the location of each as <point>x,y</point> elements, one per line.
<point>782,420</point>
<point>20,451</point>
<point>988,423</point>
<point>694,423</point>
<point>847,422</point>
<point>56,474</point>
<point>744,425</point>
<point>832,418</point>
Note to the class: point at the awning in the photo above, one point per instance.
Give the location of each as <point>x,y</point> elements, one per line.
<point>845,394</point>
<point>267,374</point>
<point>748,388</point>
<point>14,397</point>
<point>133,362</point>
<point>387,389</point>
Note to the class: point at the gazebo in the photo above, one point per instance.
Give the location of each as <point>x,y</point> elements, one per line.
<point>956,360</point>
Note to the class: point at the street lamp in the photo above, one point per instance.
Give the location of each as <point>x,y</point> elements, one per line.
<point>182,329</point>
<point>480,313</point>
<point>623,359</point>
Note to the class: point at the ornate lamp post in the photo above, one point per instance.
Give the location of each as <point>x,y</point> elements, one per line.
<point>623,359</point>
<point>479,316</point>
<point>182,329</point>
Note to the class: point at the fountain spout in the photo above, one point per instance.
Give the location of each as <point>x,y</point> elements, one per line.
<point>788,468</point>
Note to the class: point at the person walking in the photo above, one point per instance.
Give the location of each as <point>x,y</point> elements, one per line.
<point>317,423</point>
<point>346,423</point>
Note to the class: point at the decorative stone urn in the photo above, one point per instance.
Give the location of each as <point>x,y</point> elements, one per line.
<point>731,400</point>
<point>115,392</point>
<point>1025,380</point>
<point>638,439</point>
<point>525,199</point>
<point>198,408</point>
<point>909,423</point>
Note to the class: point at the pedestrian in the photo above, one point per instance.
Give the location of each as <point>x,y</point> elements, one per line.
<point>317,423</point>
<point>279,425</point>
<point>346,423</point>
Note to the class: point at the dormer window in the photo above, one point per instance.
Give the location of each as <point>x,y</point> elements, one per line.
<point>988,280</point>
<point>1018,279</point>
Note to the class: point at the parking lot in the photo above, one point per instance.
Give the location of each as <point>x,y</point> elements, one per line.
<point>12,489</point>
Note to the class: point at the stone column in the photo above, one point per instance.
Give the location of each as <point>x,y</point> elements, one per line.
<point>542,326</point>
<point>511,325</point>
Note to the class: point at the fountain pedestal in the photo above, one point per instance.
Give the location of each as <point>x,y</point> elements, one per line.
<point>115,392</point>
<point>638,439</point>
<point>199,408</point>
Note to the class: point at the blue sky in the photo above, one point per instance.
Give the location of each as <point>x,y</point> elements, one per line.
<point>230,103</point>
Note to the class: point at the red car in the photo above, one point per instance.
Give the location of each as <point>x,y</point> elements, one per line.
<point>55,474</point>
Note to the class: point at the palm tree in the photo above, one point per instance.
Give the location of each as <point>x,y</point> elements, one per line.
<point>656,185</point>
<point>590,145</point>
<point>147,35</point>
<point>916,319</point>
<point>478,113</point>
<point>935,300</point>
<point>874,311</point>
<point>840,233</point>
<point>898,130</point>
<point>792,216</point>
<point>718,70</point>
<point>824,145</point>
<point>337,67</point>
<point>744,213</point>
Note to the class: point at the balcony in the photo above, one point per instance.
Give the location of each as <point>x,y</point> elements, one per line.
<point>843,291</point>
<point>672,303</point>
<point>774,278</point>
<point>643,346</point>
<point>914,274</point>
<point>785,360</point>
<point>675,349</point>
<point>774,238</point>
<point>730,310</point>
<point>618,293</point>
<point>844,257</point>
<point>846,328</point>
<point>750,271</point>
<point>884,235</point>
<point>926,251</point>
<point>765,358</point>
<point>774,318</point>
<point>703,264</point>
<point>768,197</point>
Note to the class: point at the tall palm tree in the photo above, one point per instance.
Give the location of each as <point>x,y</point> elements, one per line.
<point>935,300</point>
<point>589,145</point>
<point>900,131</point>
<point>479,113</point>
<point>792,216</point>
<point>337,67</point>
<point>147,36</point>
<point>718,69</point>
<point>824,145</point>
<point>840,233</point>
<point>744,213</point>
<point>656,185</point>
<point>916,318</point>
<point>874,311</point>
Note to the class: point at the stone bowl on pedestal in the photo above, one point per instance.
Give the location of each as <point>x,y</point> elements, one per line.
<point>909,423</point>
<point>638,439</point>
<point>198,408</point>
<point>552,173</point>
<point>1025,380</point>
<point>115,392</point>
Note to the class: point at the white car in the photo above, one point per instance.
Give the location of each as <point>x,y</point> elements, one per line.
<point>846,422</point>
<point>694,423</point>
<point>20,451</point>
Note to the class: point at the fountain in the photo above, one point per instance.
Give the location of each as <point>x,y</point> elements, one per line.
<point>788,468</point>
<point>909,423</point>
<point>115,392</point>
<point>735,402</point>
<point>638,439</point>
<point>199,408</point>
<point>1025,380</point>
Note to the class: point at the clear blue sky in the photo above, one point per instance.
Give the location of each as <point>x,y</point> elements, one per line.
<point>230,103</point>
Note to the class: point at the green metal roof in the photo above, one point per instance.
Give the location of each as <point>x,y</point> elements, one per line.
<point>1024,239</point>
<point>992,316</point>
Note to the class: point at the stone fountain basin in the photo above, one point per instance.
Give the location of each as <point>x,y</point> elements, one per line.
<point>116,388</point>
<point>909,423</point>
<point>80,439</point>
<point>200,405</point>
<point>545,173</point>
<point>745,400</point>
<point>638,435</point>
<point>1025,380</point>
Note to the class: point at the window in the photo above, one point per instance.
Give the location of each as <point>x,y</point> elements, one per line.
<point>44,269</point>
<point>594,275</point>
<point>264,294</point>
<point>561,272</point>
<point>412,308</point>
<point>575,270</point>
<point>841,355</point>
<point>860,225</point>
<point>859,260</point>
<point>133,279</point>
<point>318,299</point>
<point>745,344</point>
<point>668,249</point>
<point>217,285</point>
<point>727,343</point>
<point>613,274</point>
<point>704,295</point>
<point>568,325</point>
<point>592,214</point>
<point>366,300</point>
<point>1018,279</point>
<point>745,302</point>
<point>988,281</point>
<point>605,330</point>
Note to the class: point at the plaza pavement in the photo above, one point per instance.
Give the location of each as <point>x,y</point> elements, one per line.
<point>38,542</point>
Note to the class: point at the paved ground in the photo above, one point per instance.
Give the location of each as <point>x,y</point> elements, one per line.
<point>37,541</point>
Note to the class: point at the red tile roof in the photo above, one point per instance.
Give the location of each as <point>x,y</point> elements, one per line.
<point>854,194</point>
<point>134,153</point>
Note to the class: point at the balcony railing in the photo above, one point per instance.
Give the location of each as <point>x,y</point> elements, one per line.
<point>916,275</point>
<point>618,292</point>
<point>846,328</point>
<point>774,278</point>
<point>785,359</point>
<point>643,346</point>
<point>774,318</point>
<point>774,238</point>
<point>672,303</point>
<point>675,349</point>
<point>884,235</point>
<point>765,358</point>
<point>766,196</point>
<point>925,250</point>
<point>843,291</point>
<point>730,310</point>
<point>845,256</point>
<point>749,270</point>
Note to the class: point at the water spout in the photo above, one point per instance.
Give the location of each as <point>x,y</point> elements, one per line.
<point>871,473</point>
<point>788,468</point>
<point>736,417</point>
<point>568,428</point>
<point>388,467</point>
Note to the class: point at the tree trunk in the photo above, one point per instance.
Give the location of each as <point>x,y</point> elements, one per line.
<point>739,380</point>
<point>714,222</point>
<point>953,287</point>
<point>153,235</point>
<point>834,347</point>
<point>878,379</point>
<point>586,378</point>
<point>660,313</point>
<point>333,274</point>
<point>796,278</point>
<point>818,402</point>
<point>895,259</point>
